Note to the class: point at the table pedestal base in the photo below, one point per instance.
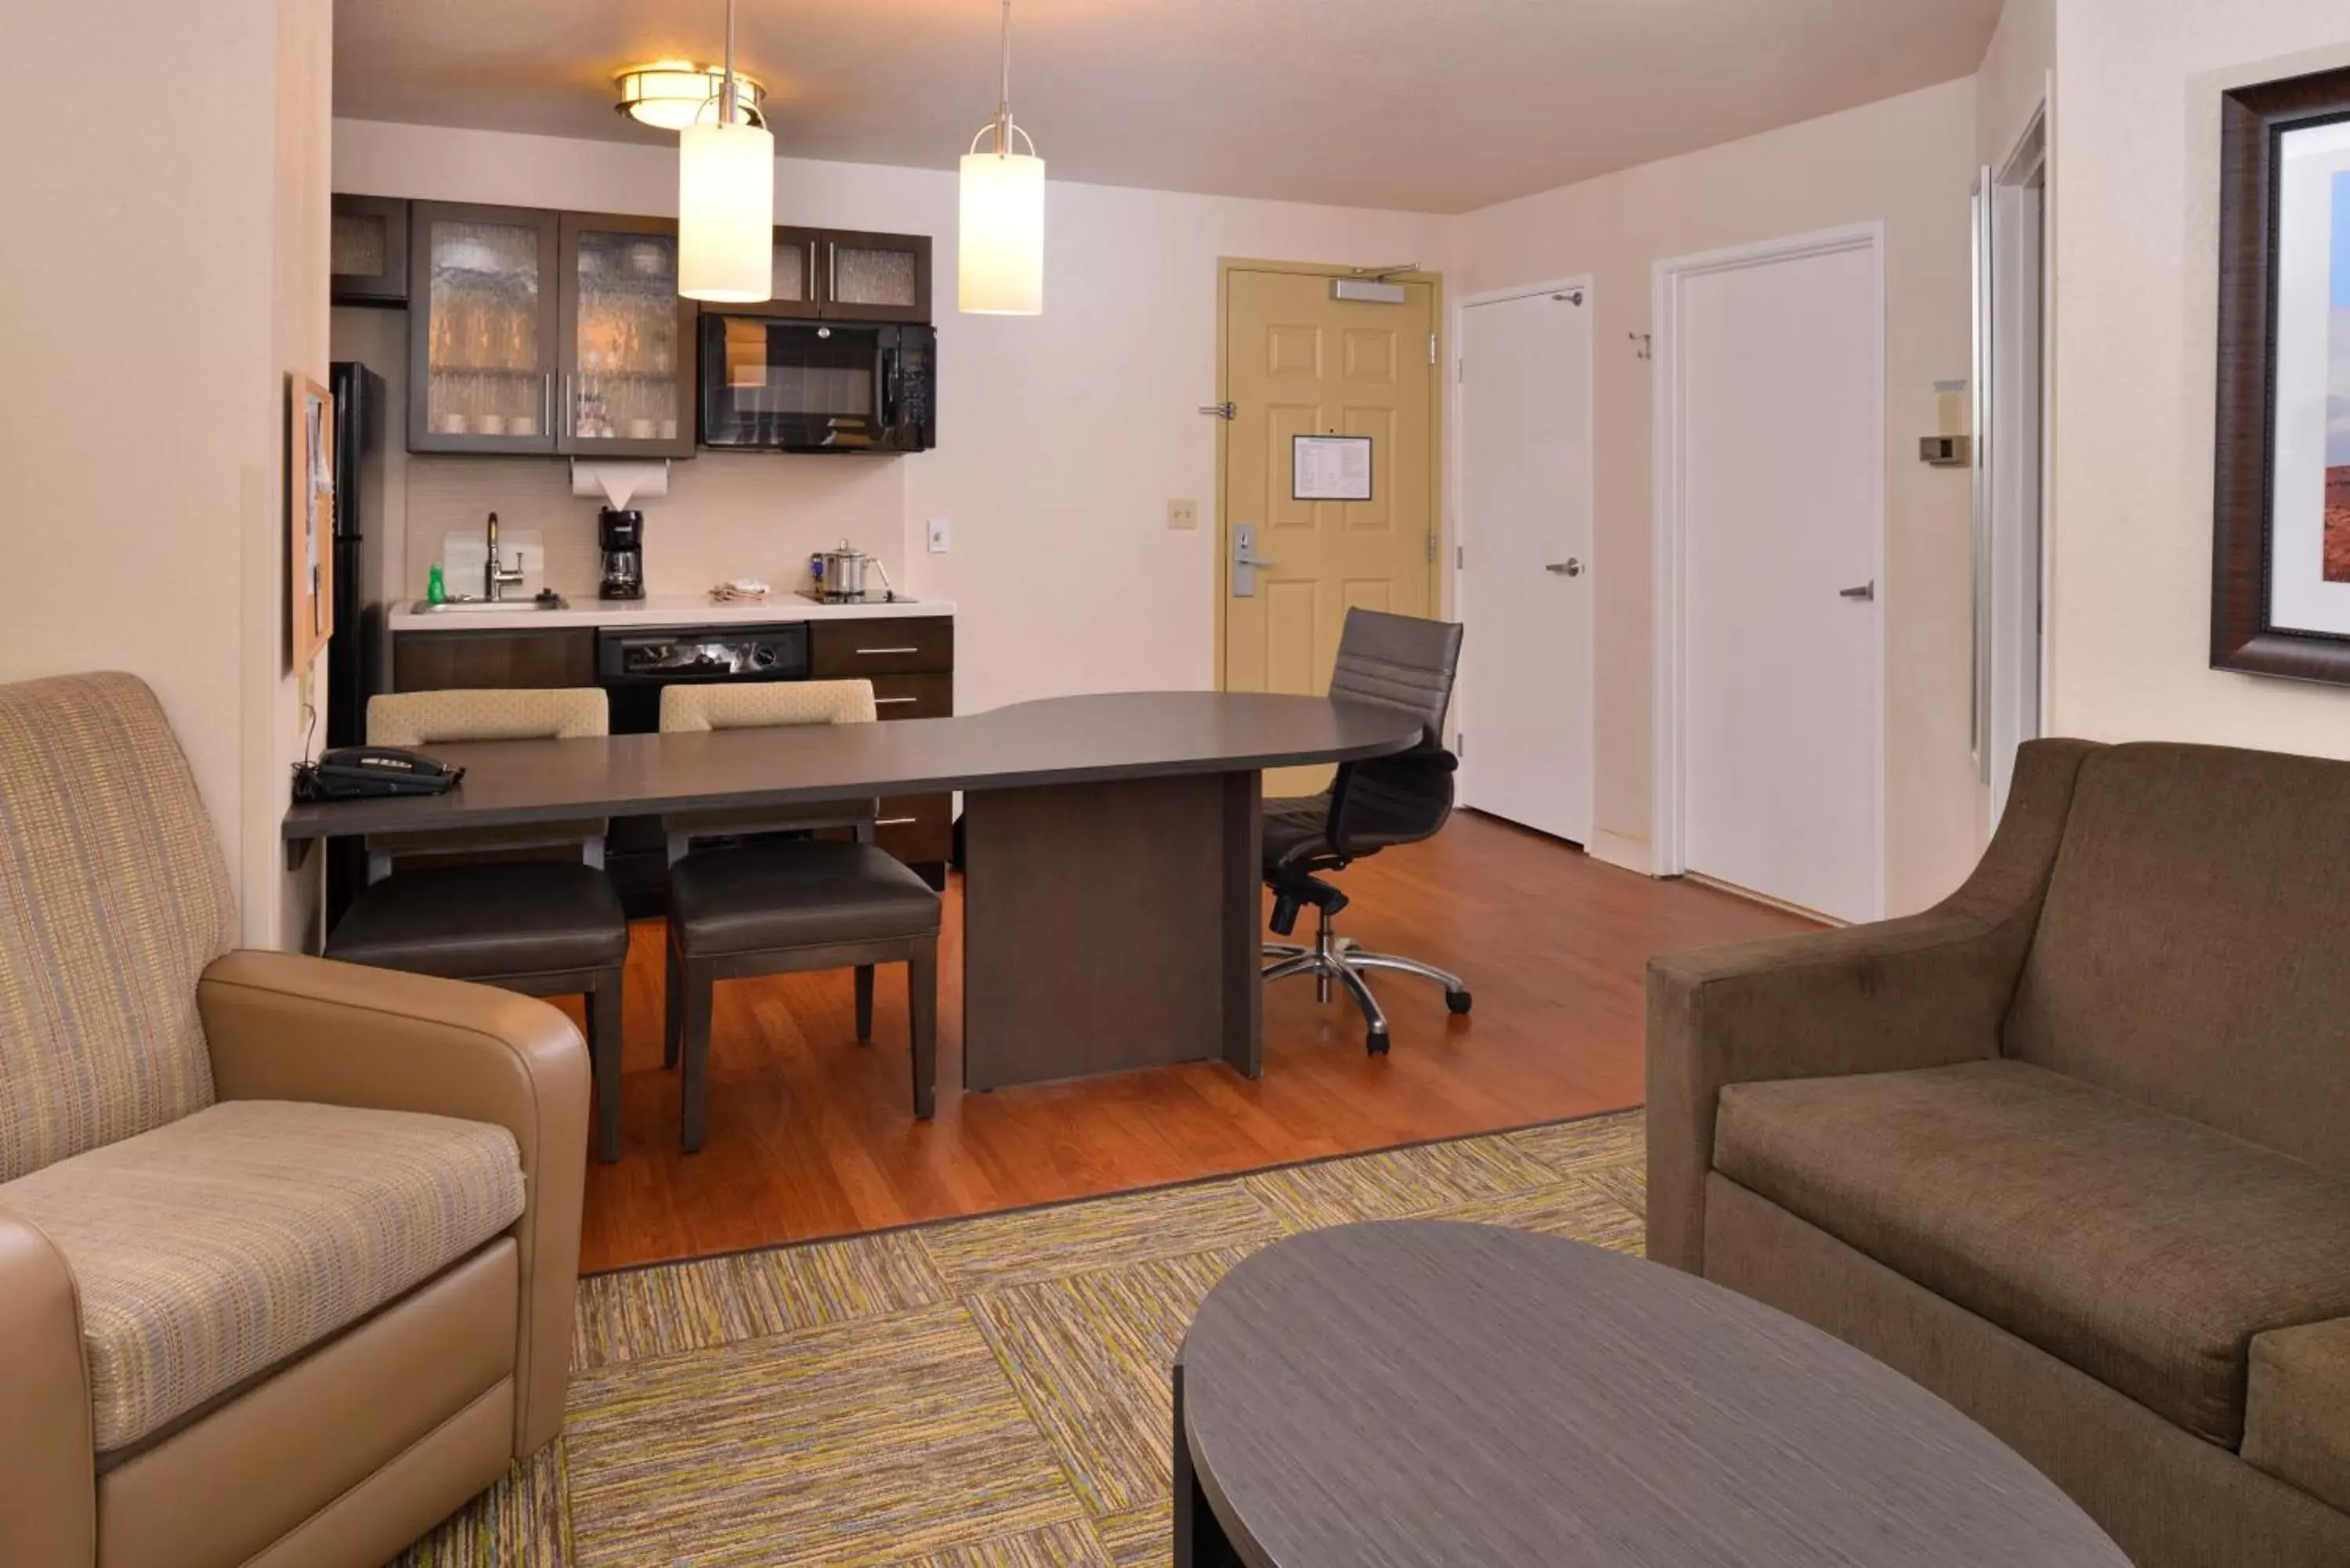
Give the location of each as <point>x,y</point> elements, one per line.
<point>1109,927</point>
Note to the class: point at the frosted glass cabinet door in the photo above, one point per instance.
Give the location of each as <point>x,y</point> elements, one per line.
<point>626,383</point>
<point>368,250</point>
<point>875,278</point>
<point>482,328</point>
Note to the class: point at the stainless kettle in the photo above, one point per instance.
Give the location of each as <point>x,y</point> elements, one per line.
<point>840,574</point>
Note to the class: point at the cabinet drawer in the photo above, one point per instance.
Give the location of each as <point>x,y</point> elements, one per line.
<point>459,660</point>
<point>913,696</point>
<point>841,649</point>
<point>916,828</point>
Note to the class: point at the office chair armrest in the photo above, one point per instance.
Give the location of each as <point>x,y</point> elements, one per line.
<point>48,1477</point>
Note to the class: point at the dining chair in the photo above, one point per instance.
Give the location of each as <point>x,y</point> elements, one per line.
<point>783,904</point>
<point>467,906</point>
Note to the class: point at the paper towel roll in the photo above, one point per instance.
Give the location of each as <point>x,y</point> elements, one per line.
<point>619,483</point>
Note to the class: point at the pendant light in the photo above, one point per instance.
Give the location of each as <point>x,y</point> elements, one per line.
<point>726,200</point>
<point>1000,268</point>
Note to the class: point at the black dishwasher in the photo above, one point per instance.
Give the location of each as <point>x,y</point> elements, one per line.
<point>634,666</point>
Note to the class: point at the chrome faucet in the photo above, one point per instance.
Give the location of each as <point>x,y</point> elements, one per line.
<point>495,578</point>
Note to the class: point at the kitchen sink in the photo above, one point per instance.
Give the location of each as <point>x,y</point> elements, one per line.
<point>488,606</point>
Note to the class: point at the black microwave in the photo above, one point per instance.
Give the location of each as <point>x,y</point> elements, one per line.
<point>770,385</point>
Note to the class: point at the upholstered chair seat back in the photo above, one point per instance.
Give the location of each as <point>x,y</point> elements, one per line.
<point>754,705</point>
<point>2190,950</point>
<point>416,721</point>
<point>762,705</point>
<point>114,896</point>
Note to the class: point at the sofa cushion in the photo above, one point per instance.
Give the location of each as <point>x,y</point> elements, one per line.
<point>113,898</point>
<point>234,1239</point>
<point>2190,949</point>
<point>2146,1250</point>
<point>2297,1409</point>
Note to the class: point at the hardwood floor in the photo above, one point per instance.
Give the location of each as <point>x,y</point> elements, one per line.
<point>813,1135</point>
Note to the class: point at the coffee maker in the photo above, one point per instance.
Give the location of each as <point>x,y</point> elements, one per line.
<point>620,535</point>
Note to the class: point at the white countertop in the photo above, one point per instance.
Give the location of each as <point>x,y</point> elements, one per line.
<point>659,610</point>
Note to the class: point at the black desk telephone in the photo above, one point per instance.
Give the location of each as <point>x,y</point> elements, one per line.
<point>360,773</point>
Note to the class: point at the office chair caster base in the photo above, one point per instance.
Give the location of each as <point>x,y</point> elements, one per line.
<point>1338,961</point>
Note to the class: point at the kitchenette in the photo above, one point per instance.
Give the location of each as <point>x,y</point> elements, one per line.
<point>682,493</point>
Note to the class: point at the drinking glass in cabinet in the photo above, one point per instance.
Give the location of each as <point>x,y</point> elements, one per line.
<point>483,309</point>
<point>627,347</point>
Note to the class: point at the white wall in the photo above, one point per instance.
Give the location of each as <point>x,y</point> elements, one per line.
<point>141,387</point>
<point>2014,77</point>
<point>1061,437</point>
<point>2138,86</point>
<point>1910,163</point>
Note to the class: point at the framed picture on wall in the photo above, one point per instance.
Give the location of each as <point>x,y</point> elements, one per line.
<point>310,518</point>
<point>2281,555</point>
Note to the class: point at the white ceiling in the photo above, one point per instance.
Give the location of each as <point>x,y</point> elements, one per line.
<point>1425,104</point>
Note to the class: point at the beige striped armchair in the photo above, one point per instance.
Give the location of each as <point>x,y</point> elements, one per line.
<point>288,1247</point>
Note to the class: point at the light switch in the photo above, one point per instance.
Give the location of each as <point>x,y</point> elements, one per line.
<point>1182,514</point>
<point>938,536</point>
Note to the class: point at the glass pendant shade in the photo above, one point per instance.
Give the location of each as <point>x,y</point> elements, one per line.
<point>726,213</point>
<point>1000,258</point>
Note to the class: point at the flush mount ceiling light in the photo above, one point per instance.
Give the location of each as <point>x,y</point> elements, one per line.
<point>674,93</point>
<point>726,198</point>
<point>1000,252</point>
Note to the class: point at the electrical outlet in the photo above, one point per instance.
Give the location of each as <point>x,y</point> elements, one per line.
<point>1182,514</point>
<point>938,536</point>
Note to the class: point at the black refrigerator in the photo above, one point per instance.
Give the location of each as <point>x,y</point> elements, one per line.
<point>353,654</point>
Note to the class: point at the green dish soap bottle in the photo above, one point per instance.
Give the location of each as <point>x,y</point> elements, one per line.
<point>436,589</point>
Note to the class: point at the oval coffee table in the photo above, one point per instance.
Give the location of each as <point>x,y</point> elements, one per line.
<point>1432,1394</point>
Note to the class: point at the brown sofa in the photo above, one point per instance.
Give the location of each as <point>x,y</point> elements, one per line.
<point>2072,1149</point>
<point>288,1247</point>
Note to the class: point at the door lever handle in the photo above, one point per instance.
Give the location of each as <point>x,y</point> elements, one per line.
<point>1865,591</point>
<point>1566,568</point>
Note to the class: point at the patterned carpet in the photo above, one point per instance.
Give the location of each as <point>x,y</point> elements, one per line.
<point>986,1393</point>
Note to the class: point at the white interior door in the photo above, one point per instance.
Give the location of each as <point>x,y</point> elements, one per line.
<point>1526,569</point>
<point>1774,432</point>
<point>2012,465</point>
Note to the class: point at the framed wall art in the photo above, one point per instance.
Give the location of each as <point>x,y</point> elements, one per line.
<point>2280,540</point>
<point>309,518</point>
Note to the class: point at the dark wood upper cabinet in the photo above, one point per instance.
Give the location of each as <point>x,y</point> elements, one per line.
<point>848,274</point>
<point>627,340</point>
<point>540,332</point>
<point>876,278</point>
<point>484,333</point>
<point>368,251</point>
<point>797,279</point>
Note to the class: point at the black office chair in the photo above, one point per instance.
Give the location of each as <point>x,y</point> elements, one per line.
<point>1388,662</point>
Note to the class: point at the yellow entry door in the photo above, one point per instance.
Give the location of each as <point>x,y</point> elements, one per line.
<point>1300,362</point>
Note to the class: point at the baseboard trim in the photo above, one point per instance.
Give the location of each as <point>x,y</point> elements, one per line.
<point>1621,850</point>
<point>1768,902</point>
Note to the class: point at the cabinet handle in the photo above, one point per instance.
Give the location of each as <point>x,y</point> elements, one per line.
<point>831,273</point>
<point>890,650</point>
<point>547,403</point>
<point>896,821</point>
<point>886,701</point>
